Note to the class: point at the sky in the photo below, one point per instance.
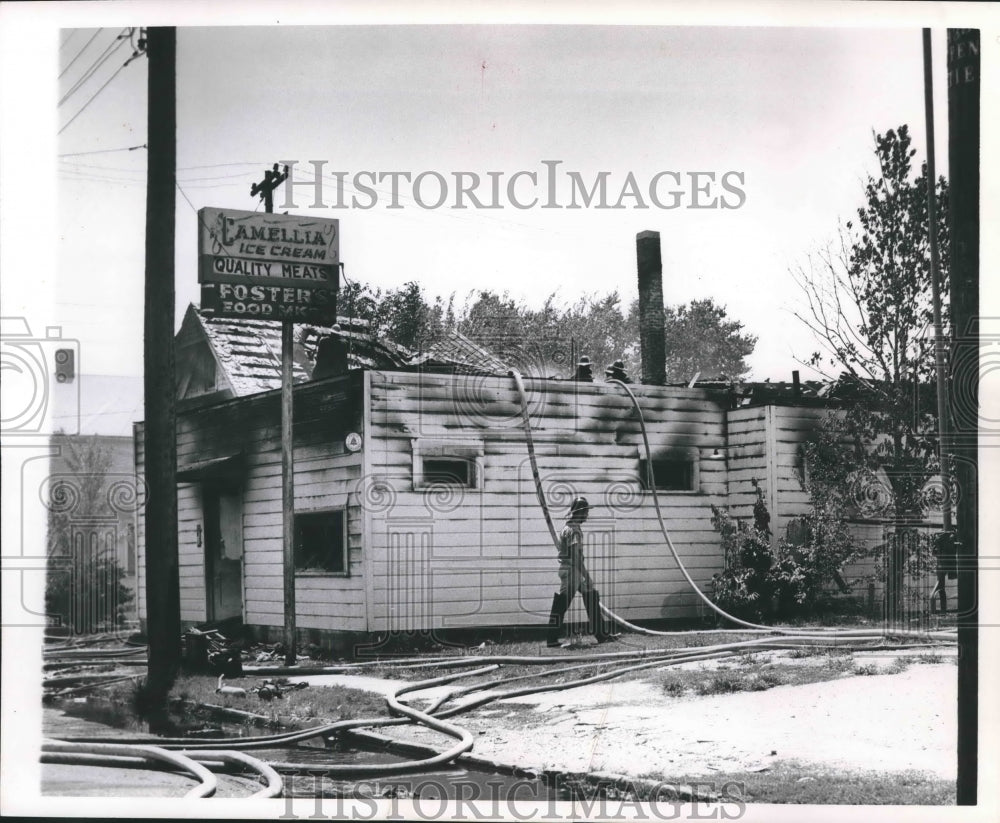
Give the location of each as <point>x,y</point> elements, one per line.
<point>784,104</point>
<point>790,110</point>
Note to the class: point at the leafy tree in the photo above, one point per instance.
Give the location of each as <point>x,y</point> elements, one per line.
<point>402,315</point>
<point>547,340</point>
<point>84,586</point>
<point>701,338</point>
<point>869,306</point>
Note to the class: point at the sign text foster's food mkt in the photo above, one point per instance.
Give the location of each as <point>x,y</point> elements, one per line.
<point>268,266</point>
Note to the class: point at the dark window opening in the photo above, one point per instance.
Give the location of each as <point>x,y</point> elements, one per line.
<point>668,475</point>
<point>320,542</point>
<point>451,471</point>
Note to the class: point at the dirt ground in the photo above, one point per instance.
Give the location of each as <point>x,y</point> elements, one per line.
<point>882,722</point>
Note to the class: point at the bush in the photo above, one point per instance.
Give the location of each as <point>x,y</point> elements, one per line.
<point>789,580</point>
<point>84,592</point>
<point>746,587</point>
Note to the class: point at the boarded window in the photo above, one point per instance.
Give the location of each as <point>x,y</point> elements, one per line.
<point>321,542</point>
<point>669,474</point>
<point>451,471</point>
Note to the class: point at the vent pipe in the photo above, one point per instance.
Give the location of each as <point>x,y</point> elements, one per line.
<point>652,340</point>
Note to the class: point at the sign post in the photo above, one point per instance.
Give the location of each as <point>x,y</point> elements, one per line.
<point>272,267</point>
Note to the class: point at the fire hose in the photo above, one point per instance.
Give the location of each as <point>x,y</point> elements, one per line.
<point>789,631</point>
<point>622,662</point>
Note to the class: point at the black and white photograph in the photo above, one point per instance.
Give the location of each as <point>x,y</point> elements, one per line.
<point>502,412</point>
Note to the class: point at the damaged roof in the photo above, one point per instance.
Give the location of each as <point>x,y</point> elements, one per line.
<point>457,353</point>
<point>249,351</point>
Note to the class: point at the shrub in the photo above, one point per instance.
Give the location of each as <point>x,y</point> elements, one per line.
<point>745,587</point>
<point>85,593</point>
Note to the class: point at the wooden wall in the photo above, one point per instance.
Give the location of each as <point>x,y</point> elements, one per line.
<point>442,557</point>
<point>764,443</point>
<point>462,557</point>
<point>326,477</point>
<point>792,426</point>
<point>747,459</point>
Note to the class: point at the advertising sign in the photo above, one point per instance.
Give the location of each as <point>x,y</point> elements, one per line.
<point>268,266</point>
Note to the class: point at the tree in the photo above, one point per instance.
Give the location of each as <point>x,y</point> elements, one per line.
<point>869,306</point>
<point>401,315</point>
<point>547,340</point>
<point>701,338</point>
<point>84,587</point>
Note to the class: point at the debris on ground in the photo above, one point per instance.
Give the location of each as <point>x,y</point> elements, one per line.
<point>272,689</point>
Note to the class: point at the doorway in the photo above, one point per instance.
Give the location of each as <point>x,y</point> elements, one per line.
<point>223,508</point>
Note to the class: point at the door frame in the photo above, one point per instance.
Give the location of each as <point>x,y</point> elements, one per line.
<point>213,490</point>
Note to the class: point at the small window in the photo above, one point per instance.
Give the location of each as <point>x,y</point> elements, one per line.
<point>321,542</point>
<point>669,474</point>
<point>451,471</point>
<point>447,463</point>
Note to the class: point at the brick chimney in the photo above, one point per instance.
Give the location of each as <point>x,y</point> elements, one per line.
<point>652,344</point>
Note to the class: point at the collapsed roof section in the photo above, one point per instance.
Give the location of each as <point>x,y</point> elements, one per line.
<point>236,358</point>
<point>226,358</point>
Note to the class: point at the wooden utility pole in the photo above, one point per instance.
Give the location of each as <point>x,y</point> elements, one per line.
<point>163,624</point>
<point>940,343</point>
<point>963,223</point>
<point>272,179</point>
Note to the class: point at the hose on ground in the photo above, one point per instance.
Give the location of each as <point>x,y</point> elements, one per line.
<point>790,631</point>
<point>272,780</point>
<point>64,750</point>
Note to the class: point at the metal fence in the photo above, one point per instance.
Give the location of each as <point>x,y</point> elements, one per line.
<point>903,580</point>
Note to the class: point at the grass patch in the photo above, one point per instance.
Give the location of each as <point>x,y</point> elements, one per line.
<point>801,652</point>
<point>755,676</point>
<point>898,666</point>
<point>794,782</point>
<point>933,658</point>
<point>314,703</point>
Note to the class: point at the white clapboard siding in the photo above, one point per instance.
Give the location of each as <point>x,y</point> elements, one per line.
<point>466,557</point>
<point>793,427</point>
<point>746,459</point>
<point>326,477</point>
<point>191,555</point>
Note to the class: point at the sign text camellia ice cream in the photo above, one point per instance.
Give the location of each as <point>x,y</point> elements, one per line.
<point>271,266</point>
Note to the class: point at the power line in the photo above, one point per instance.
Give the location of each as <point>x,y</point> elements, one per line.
<point>72,33</point>
<point>184,195</point>
<point>73,174</point>
<point>102,88</point>
<point>71,62</point>
<point>102,151</point>
<point>111,48</point>
<point>70,166</point>
<point>219,165</point>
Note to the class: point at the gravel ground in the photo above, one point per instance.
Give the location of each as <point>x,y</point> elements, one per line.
<point>883,722</point>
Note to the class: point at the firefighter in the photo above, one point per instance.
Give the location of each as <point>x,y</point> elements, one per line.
<point>573,578</point>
